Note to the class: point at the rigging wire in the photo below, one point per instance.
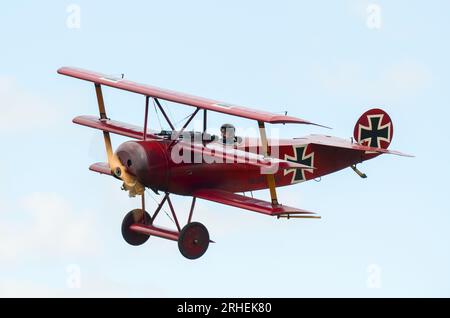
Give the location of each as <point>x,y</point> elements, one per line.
<point>162,208</point>
<point>168,109</point>
<point>185,118</point>
<point>157,115</point>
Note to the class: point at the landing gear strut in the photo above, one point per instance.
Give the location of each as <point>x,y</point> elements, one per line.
<point>193,239</point>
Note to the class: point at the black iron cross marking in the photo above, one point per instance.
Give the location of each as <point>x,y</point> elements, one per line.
<point>375,132</point>
<point>299,157</point>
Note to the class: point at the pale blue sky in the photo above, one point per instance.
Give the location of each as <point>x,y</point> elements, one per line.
<point>316,59</point>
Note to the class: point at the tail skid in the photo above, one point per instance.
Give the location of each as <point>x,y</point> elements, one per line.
<point>358,172</point>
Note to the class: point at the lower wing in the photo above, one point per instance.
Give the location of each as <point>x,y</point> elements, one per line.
<point>252,204</point>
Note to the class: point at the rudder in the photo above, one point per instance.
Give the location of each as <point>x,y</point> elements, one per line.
<point>375,129</point>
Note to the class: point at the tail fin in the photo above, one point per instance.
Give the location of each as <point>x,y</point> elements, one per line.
<point>375,129</point>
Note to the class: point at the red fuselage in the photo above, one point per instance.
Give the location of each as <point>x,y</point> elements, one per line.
<point>151,162</point>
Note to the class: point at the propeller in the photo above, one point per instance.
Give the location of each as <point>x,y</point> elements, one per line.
<point>130,182</point>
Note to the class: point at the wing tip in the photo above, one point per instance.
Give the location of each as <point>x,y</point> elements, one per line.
<point>101,167</point>
<point>63,70</point>
<point>293,120</point>
<point>397,153</point>
<point>323,126</point>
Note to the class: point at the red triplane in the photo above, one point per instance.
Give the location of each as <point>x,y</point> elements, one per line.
<point>203,166</point>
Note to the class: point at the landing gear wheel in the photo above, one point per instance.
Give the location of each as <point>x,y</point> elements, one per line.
<point>132,237</point>
<point>193,240</point>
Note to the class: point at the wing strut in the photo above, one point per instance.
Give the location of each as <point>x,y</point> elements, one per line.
<point>164,113</point>
<point>265,148</point>
<point>102,111</point>
<point>204,120</point>
<point>144,133</point>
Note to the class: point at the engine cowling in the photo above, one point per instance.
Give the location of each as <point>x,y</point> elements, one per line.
<point>147,161</point>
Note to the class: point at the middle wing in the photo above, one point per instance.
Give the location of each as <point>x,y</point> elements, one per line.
<point>114,126</point>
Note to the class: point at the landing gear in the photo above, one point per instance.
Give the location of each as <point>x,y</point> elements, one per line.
<point>193,240</point>
<point>132,237</point>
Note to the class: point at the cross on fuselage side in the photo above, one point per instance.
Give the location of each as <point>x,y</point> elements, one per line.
<point>302,159</point>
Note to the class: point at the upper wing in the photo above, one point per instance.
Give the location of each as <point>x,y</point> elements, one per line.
<point>342,143</point>
<point>181,98</point>
<point>251,204</point>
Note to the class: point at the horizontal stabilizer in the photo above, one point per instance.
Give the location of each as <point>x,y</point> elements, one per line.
<point>248,203</point>
<point>342,143</point>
